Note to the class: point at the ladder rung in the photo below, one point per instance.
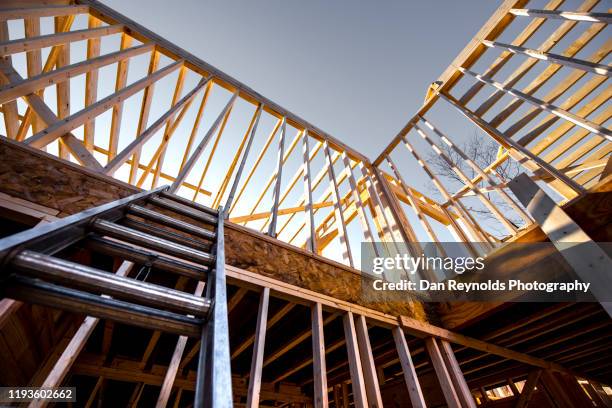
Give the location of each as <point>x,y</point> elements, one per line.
<point>142,256</point>
<point>79,276</point>
<point>180,208</point>
<point>35,291</point>
<point>189,203</point>
<point>151,229</point>
<point>170,222</point>
<point>153,242</point>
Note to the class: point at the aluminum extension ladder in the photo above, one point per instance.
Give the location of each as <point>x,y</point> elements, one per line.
<point>134,230</point>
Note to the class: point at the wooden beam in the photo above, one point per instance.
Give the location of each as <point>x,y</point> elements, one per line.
<point>59,38</point>
<point>52,59</point>
<point>278,180</point>
<point>564,15</point>
<point>63,88</point>
<point>177,355</point>
<point>598,69</point>
<point>412,326</point>
<point>76,344</point>
<point>180,178</point>
<point>262,152</point>
<point>338,212</point>
<point>367,363</point>
<point>48,117</point>
<point>34,60</point>
<point>258,351</point>
<point>9,109</point>
<point>504,57</point>
<point>587,259</point>
<point>120,82</point>
<point>144,136</point>
<point>496,25</point>
<point>91,84</point>
<point>245,144</point>
<point>75,120</point>
<point>318,357</point>
<point>48,11</point>
<point>568,187</point>
<point>415,206</point>
<point>444,378</point>
<point>410,377</point>
<point>592,127</point>
<point>357,379</point>
<point>213,150</point>
<point>461,387</point>
<point>171,124</point>
<point>253,127</point>
<point>311,241</point>
<point>145,109</point>
<point>299,338</point>
<point>196,125</point>
<point>232,85</point>
<point>484,175</point>
<point>45,79</point>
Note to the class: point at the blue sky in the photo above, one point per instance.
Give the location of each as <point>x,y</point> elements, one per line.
<point>356,69</point>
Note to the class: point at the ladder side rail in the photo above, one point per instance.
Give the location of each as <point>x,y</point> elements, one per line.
<point>214,378</point>
<point>52,237</point>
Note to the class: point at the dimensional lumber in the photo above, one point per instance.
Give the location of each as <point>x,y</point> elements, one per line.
<point>172,237</point>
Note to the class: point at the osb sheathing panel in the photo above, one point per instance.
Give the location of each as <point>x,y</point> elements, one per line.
<point>247,251</point>
<point>46,181</point>
<point>43,179</point>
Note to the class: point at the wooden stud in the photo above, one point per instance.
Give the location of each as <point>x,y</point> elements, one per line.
<point>444,378</point>
<point>91,84</point>
<point>60,128</point>
<point>479,171</point>
<point>196,125</point>
<point>365,223</point>
<point>412,381</point>
<point>144,136</point>
<point>311,237</point>
<point>245,144</point>
<point>120,82</point>
<point>367,363</point>
<point>175,361</point>
<point>562,113</point>
<point>253,127</point>
<point>180,178</point>
<point>357,379</point>
<point>34,60</point>
<point>257,162</point>
<point>522,155</point>
<point>48,117</point>
<point>9,109</point>
<point>48,11</point>
<point>213,150</point>
<point>63,88</point>
<point>278,180</point>
<point>413,203</point>
<point>599,69</point>
<point>461,387</point>
<point>339,216</point>
<point>318,355</point>
<point>33,84</point>
<point>564,15</point>
<point>258,351</point>
<point>145,109</point>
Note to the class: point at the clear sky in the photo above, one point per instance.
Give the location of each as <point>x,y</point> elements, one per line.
<point>356,69</point>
